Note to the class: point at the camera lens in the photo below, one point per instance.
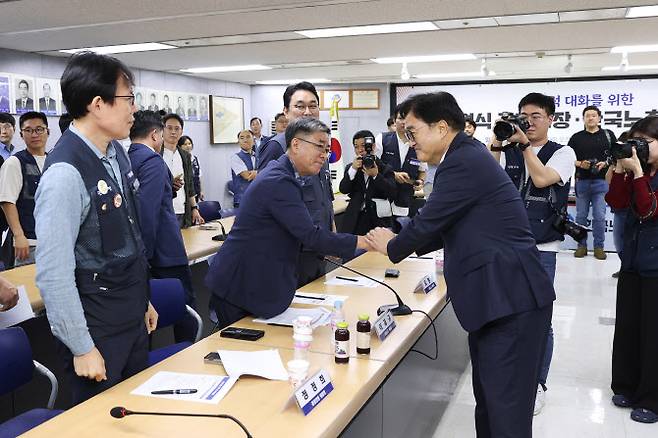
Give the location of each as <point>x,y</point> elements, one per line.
<point>503,130</point>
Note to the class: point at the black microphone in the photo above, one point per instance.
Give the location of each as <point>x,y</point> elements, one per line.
<point>120,412</point>
<point>401,309</point>
<point>220,237</point>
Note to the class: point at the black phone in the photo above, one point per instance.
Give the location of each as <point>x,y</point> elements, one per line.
<point>392,273</point>
<point>213,357</point>
<point>242,333</point>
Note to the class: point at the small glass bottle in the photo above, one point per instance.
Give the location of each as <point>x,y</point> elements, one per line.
<point>342,336</point>
<point>337,316</point>
<point>363,334</point>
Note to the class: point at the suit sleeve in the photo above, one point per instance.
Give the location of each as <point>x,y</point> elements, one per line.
<point>189,176</point>
<point>152,182</point>
<point>385,182</point>
<point>346,185</point>
<point>456,194</point>
<point>289,211</point>
<point>270,151</point>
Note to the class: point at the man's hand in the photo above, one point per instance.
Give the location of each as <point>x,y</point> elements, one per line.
<point>252,175</point>
<point>21,247</point>
<point>8,295</point>
<point>202,196</point>
<point>362,243</point>
<point>372,172</point>
<point>378,239</point>
<point>90,365</point>
<point>196,217</point>
<point>402,178</point>
<point>632,165</point>
<point>177,183</point>
<point>357,163</point>
<point>151,318</point>
<point>519,137</point>
<point>585,164</point>
<point>600,165</point>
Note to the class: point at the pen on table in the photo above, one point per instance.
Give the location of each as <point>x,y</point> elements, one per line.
<point>421,257</point>
<point>276,324</point>
<point>173,391</point>
<point>310,298</point>
<point>348,279</point>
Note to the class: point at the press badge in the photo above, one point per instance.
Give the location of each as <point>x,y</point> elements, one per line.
<point>414,162</point>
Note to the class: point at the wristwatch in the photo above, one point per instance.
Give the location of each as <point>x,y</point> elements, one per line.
<point>195,207</point>
<point>496,148</point>
<point>523,147</point>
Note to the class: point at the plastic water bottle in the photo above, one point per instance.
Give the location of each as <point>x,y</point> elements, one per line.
<point>337,316</point>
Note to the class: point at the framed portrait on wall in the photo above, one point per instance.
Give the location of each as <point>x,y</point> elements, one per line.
<point>140,98</point>
<point>203,107</point>
<point>48,95</point>
<point>226,119</point>
<point>5,99</point>
<point>24,92</point>
<point>167,101</point>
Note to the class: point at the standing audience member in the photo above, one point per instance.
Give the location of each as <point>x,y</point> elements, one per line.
<point>370,185</point>
<point>243,166</point>
<point>591,146</point>
<point>161,234</point>
<point>91,268</point>
<point>390,124</point>
<point>19,179</point>
<point>179,163</point>
<point>7,126</point>
<point>256,126</point>
<point>185,143</point>
<point>280,123</point>
<point>634,186</point>
<point>469,127</point>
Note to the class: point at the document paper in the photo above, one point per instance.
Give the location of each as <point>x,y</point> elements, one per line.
<point>211,388</point>
<point>264,363</point>
<point>21,312</point>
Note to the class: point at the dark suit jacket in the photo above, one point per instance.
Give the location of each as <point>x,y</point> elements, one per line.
<point>255,269</point>
<point>492,265</point>
<point>29,104</point>
<point>382,187</point>
<point>51,105</point>
<point>272,149</point>
<point>160,231</point>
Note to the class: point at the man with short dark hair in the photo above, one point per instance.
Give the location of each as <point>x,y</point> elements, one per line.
<point>591,146</point>
<point>19,179</point>
<point>280,123</point>
<point>256,127</point>
<point>91,269</point>
<point>247,280</point>
<point>7,129</point>
<point>498,288</point>
<point>390,124</point>
<point>469,127</point>
<point>24,102</point>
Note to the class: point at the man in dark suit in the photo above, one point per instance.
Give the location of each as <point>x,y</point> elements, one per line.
<point>158,223</point>
<point>246,276</point>
<point>24,102</point>
<point>370,184</point>
<point>500,292</point>
<point>46,103</point>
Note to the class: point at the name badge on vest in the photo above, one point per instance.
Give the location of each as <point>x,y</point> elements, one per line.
<point>102,186</point>
<point>414,162</point>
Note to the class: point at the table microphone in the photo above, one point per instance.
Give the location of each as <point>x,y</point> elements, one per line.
<point>120,412</point>
<point>400,309</point>
<point>220,237</point>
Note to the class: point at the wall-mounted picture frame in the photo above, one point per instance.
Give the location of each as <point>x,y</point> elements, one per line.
<point>327,97</point>
<point>48,96</point>
<point>365,99</point>
<point>24,94</point>
<point>226,119</point>
<point>5,92</point>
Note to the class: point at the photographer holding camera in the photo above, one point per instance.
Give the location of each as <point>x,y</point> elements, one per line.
<point>634,185</point>
<point>591,146</point>
<point>541,170</point>
<point>370,183</point>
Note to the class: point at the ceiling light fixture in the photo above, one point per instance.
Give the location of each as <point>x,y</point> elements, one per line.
<point>425,58</point>
<point>122,48</point>
<point>484,70</point>
<point>630,67</point>
<point>635,49</point>
<point>404,74</point>
<point>368,30</point>
<point>226,68</point>
<point>292,81</point>
<point>468,74</point>
<point>642,11</point>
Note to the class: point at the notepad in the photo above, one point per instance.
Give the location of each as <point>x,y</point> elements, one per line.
<point>264,363</point>
<point>211,388</point>
<point>316,299</point>
<point>19,313</point>
<point>319,317</point>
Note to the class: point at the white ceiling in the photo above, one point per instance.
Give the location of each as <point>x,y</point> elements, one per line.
<point>238,32</point>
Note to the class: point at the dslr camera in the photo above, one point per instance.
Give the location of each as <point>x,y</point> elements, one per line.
<point>368,159</point>
<point>564,225</point>
<point>622,150</point>
<point>505,128</point>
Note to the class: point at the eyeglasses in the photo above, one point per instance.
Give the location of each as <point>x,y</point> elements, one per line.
<point>411,135</point>
<point>325,149</point>
<point>173,128</point>
<point>302,108</point>
<point>131,99</point>
<point>6,126</point>
<point>39,130</point>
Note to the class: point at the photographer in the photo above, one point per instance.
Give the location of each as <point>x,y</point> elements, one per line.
<point>591,146</point>
<point>541,170</point>
<point>370,183</point>
<point>634,185</point>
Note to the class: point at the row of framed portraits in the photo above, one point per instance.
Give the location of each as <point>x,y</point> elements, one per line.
<point>189,106</point>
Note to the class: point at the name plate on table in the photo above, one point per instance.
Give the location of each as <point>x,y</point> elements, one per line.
<point>313,391</point>
<point>426,284</point>
<point>384,325</point>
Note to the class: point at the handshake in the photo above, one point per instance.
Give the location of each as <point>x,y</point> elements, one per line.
<point>376,240</point>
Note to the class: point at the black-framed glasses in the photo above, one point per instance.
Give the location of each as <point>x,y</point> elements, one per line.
<point>131,98</point>
<point>39,130</point>
<point>310,106</point>
<point>321,148</point>
<point>411,135</point>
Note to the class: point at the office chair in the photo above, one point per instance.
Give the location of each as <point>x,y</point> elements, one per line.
<point>168,299</point>
<point>210,210</point>
<point>16,369</point>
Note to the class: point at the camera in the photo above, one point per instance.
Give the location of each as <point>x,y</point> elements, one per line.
<point>622,150</point>
<point>505,128</point>
<point>368,159</point>
<point>592,166</point>
<point>564,225</point>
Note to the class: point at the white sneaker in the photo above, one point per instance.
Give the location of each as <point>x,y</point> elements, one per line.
<point>540,400</point>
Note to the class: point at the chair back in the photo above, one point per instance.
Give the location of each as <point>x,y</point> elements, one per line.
<point>168,299</point>
<point>210,210</point>
<point>16,365</point>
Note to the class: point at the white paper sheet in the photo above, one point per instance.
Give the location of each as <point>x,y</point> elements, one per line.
<point>264,363</point>
<point>319,317</point>
<point>317,299</point>
<point>21,312</point>
<point>353,282</point>
<point>211,388</point>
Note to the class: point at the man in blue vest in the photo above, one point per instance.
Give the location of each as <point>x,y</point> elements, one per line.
<point>541,170</point>
<point>161,234</point>
<point>499,290</point>
<point>393,149</point>
<point>91,268</point>
<point>243,166</point>
<point>302,100</point>
<point>19,179</point>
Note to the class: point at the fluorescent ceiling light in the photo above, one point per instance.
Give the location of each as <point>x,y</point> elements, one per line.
<point>642,11</point>
<point>123,48</point>
<point>427,58</point>
<point>468,74</point>
<point>630,67</point>
<point>512,20</point>
<point>635,49</point>
<point>292,81</point>
<point>465,23</point>
<point>368,30</point>
<point>591,15</point>
<point>226,68</point>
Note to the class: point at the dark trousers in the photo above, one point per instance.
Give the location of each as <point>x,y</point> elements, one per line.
<point>125,354</point>
<point>310,266</point>
<point>226,312</point>
<point>506,356</point>
<point>186,329</point>
<point>635,346</point>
